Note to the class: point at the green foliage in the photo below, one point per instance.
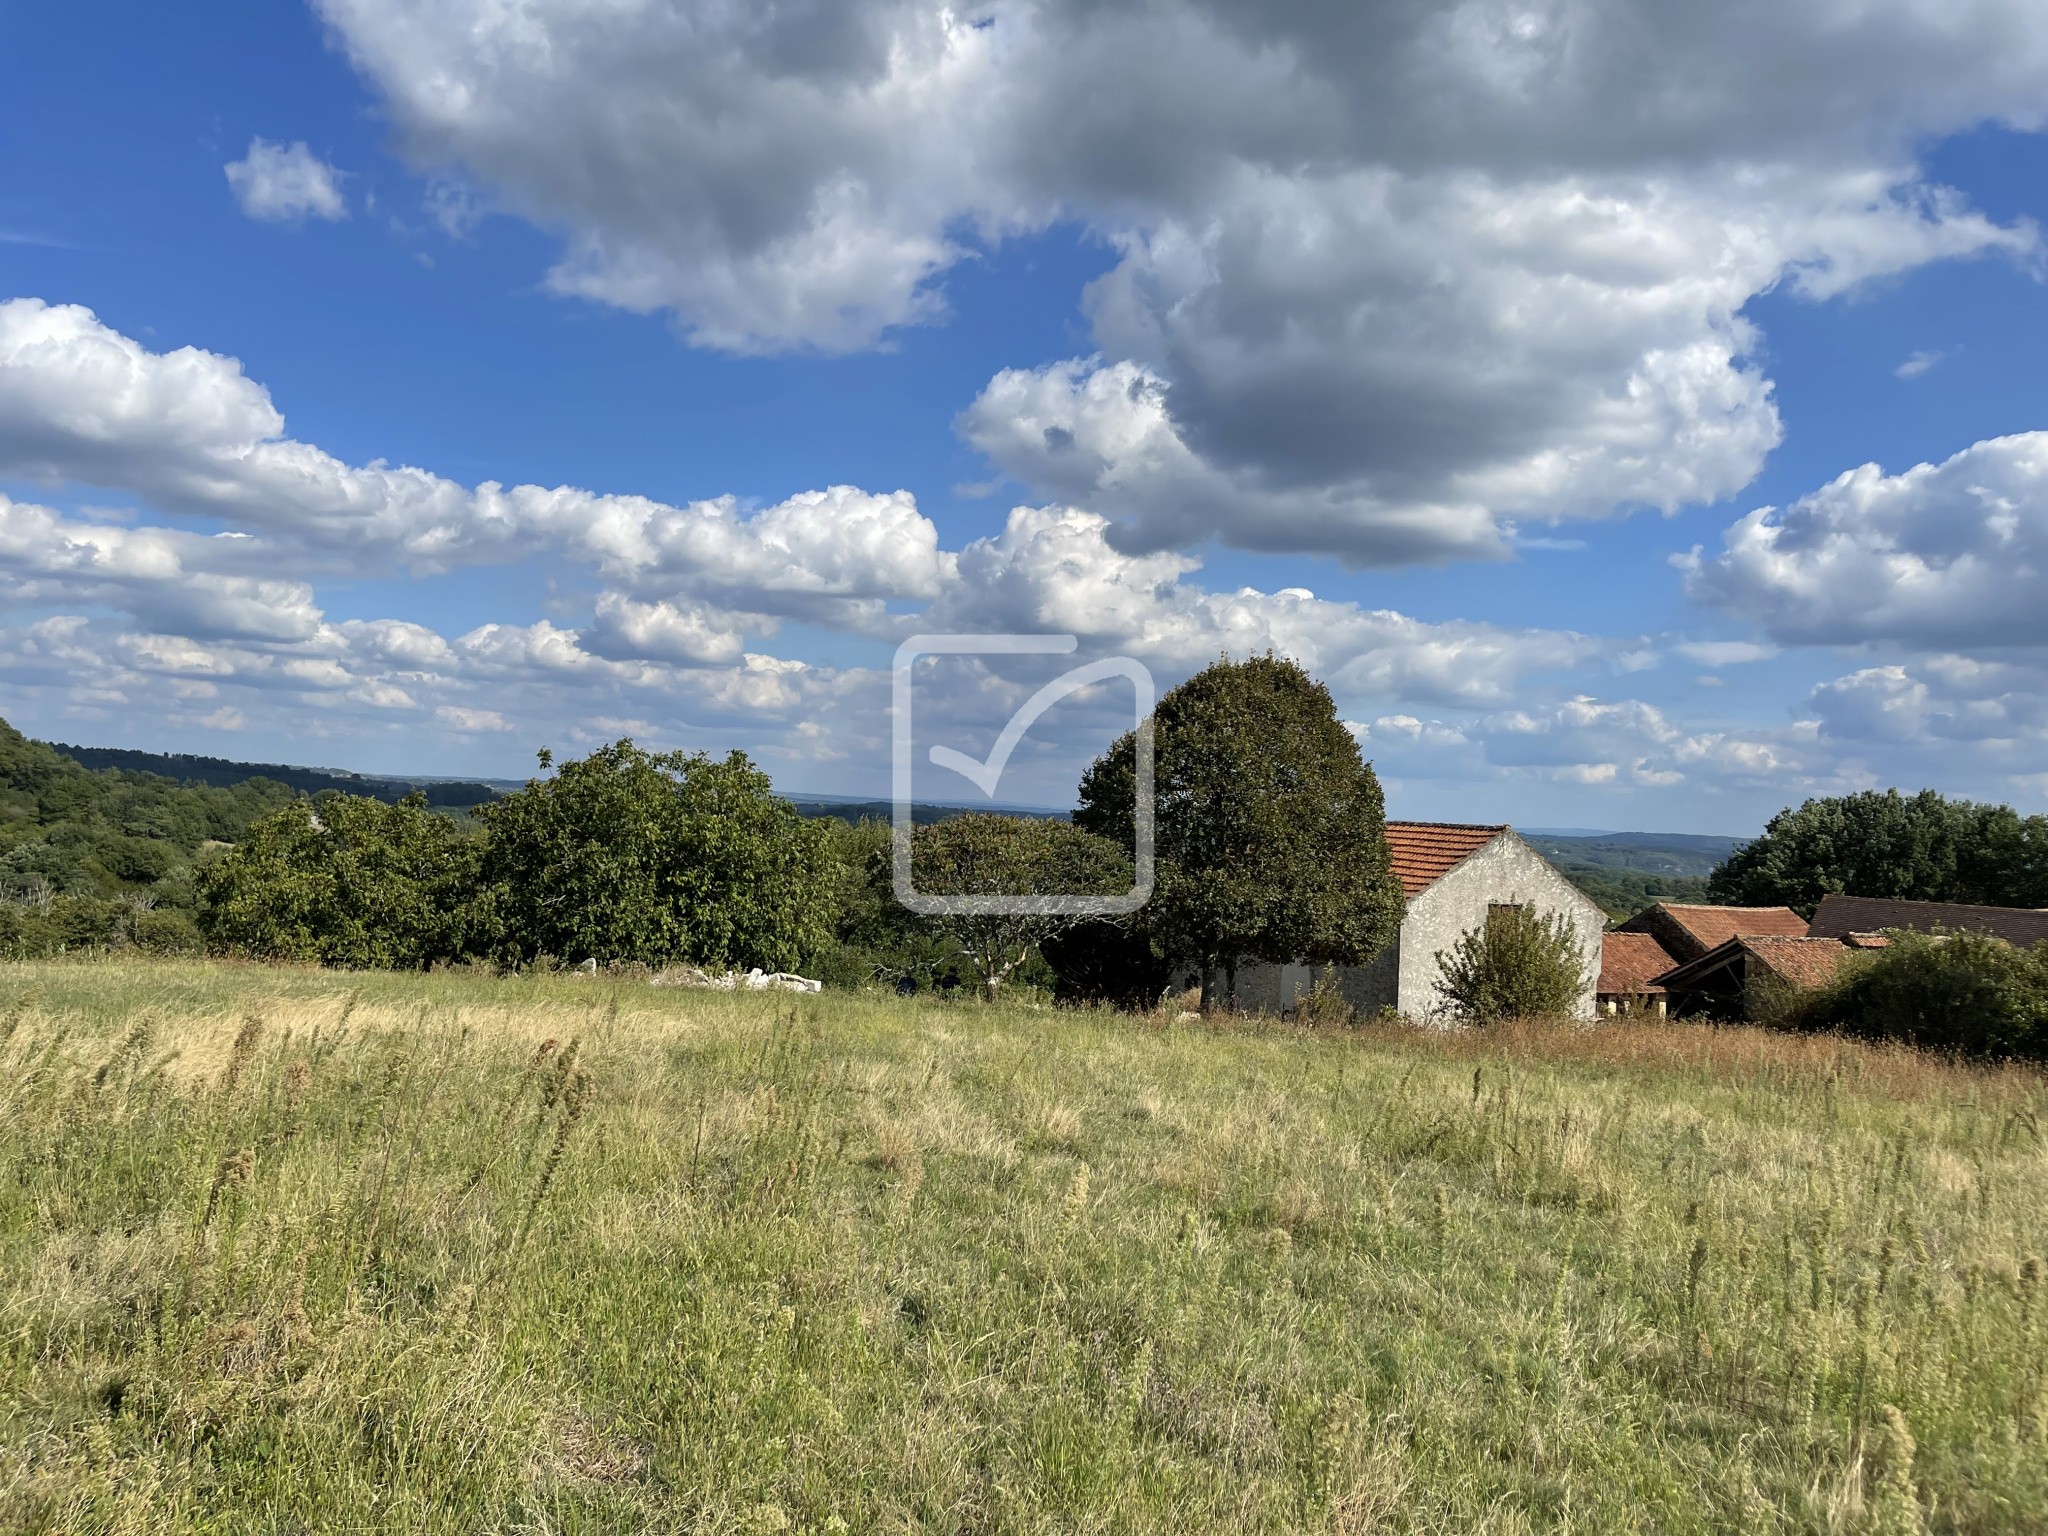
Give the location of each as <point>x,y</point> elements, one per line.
<point>874,939</point>
<point>405,1255</point>
<point>1111,961</point>
<point>187,768</point>
<point>91,860</point>
<point>1923,847</point>
<point>345,880</point>
<point>1271,831</point>
<point>1622,893</point>
<point>661,858</point>
<point>1003,857</point>
<point>1518,964</point>
<point>1963,992</point>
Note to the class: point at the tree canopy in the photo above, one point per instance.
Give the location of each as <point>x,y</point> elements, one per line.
<point>1271,829</point>
<point>346,880</point>
<point>1923,847</point>
<point>89,859</point>
<point>1010,857</point>
<point>654,857</point>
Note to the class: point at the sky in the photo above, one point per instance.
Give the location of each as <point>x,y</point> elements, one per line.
<point>1633,413</point>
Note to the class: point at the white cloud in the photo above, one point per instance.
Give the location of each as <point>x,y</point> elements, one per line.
<point>1725,653</point>
<point>1949,556</point>
<point>1388,278</point>
<point>191,433</point>
<point>471,720</point>
<point>1054,568</point>
<point>286,184</point>
<point>1586,741</point>
<point>1917,364</point>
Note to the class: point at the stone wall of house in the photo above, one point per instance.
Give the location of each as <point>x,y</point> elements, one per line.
<point>1404,975</point>
<point>1506,871</point>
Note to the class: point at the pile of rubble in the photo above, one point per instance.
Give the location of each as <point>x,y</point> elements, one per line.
<point>755,980</point>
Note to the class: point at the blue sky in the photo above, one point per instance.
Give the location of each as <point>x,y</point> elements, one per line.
<point>1475,324</point>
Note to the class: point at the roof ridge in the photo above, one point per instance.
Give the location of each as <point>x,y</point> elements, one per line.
<point>1455,826</point>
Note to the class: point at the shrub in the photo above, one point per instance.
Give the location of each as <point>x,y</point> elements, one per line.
<point>1109,961</point>
<point>661,857</point>
<point>354,882</point>
<point>1517,964</point>
<point>1963,992</point>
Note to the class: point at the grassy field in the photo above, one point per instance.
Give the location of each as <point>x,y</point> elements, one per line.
<point>292,1251</point>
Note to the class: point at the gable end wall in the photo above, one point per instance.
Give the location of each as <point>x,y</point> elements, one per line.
<point>1505,870</point>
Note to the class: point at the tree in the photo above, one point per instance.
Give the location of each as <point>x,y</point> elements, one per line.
<point>1010,856</point>
<point>1925,847</point>
<point>1518,964</point>
<point>1964,992</point>
<point>1270,829</point>
<point>656,857</point>
<point>345,880</point>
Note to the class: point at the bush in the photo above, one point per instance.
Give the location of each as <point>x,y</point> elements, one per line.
<point>345,880</point>
<point>1963,992</point>
<point>1108,961</point>
<point>665,858</point>
<point>1517,964</point>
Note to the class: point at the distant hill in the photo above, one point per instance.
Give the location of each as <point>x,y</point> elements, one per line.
<point>1627,871</point>
<point>1650,853</point>
<point>223,773</point>
<point>921,812</point>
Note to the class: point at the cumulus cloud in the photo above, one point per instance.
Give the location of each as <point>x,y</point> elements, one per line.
<point>1613,743</point>
<point>191,433</point>
<point>286,184</point>
<point>1055,568</point>
<point>1949,556</point>
<point>1388,277</point>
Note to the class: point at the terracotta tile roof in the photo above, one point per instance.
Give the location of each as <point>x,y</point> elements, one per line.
<point>1803,962</point>
<point>1701,929</point>
<point>1630,964</point>
<point>1425,851</point>
<point>1840,916</point>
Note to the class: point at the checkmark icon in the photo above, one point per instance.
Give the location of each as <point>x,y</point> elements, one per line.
<point>987,774</point>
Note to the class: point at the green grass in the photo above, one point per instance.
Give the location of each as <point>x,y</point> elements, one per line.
<point>739,1263</point>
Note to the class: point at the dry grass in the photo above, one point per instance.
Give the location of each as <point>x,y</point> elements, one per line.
<point>289,1250</point>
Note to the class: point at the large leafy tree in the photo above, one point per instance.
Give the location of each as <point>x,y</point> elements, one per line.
<point>1922,847</point>
<point>655,857</point>
<point>345,880</point>
<point>1010,858</point>
<point>1271,829</point>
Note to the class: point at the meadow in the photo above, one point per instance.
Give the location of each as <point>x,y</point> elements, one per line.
<point>291,1251</point>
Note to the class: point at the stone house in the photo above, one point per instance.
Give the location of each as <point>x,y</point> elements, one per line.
<point>1452,875</point>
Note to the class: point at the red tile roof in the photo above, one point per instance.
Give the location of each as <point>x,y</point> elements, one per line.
<point>1425,851</point>
<point>1711,927</point>
<point>1803,962</point>
<point>1630,964</point>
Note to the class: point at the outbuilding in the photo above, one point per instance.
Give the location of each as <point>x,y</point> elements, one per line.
<point>1453,875</point>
